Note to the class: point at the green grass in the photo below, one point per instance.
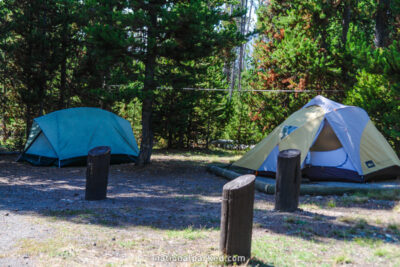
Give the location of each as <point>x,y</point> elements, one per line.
<point>364,197</point>
<point>397,208</point>
<point>342,259</point>
<point>189,233</point>
<point>69,213</point>
<point>361,224</point>
<point>339,234</point>
<point>294,220</point>
<point>382,252</point>
<point>394,229</point>
<point>52,247</point>
<point>390,194</point>
<point>318,218</point>
<point>98,216</point>
<point>347,219</point>
<point>127,243</point>
<point>368,242</point>
<point>331,203</point>
<point>354,199</point>
<point>286,251</point>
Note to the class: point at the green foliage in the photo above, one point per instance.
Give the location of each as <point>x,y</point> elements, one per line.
<point>373,93</point>
<point>304,45</point>
<point>57,54</point>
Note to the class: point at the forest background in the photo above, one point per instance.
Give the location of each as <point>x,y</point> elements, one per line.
<point>141,60</point>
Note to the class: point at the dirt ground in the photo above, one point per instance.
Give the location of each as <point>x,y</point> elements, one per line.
<point>169,212</point>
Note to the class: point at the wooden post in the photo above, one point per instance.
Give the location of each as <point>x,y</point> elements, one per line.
<point>288,179</point>
<point>237,218</point>
<point>98,163</point>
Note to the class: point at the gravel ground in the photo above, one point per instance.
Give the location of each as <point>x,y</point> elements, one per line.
<point>173,206</point>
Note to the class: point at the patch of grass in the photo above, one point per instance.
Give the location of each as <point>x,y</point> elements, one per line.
<point>70,253</point>
<point>354,199</point>
<point>54,247</point>
<point>367,242</point>
<point>308,232</point>
<point>363,197</point>
<point>127,243</point>
<point>331,203</point>
<point>342,259</point>
<point>394,228</point>
<point>397,208</point>
<point>69,213</point>
<point>361,224</point>
<point>347,219</point>
<point>358,224</point>
<point>339,234</point>
<point>382,252</point>
<point>188,233</point>
<point>294,220</point>
<point>390,194</point>
<point>317,218</point>
<point>285,251</point>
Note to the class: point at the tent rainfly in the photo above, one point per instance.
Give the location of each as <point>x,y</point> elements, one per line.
<point>65,137</point>
<point>337,143</point>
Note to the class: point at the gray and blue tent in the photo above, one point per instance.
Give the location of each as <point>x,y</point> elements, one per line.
<point>65,137</point>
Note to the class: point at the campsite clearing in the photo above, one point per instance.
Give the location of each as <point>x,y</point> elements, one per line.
<point>172,207</point>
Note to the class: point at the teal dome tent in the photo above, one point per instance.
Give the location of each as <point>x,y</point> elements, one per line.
<point>65,137</point>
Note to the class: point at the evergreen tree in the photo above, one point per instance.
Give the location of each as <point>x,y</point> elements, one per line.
<point>30,45</point>
<point>323,46</point>
<point>157,33</point>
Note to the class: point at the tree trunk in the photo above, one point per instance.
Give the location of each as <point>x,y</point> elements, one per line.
<point>208,131</point>
<point>146,146</point>
<point>345,22</point>
<point>6,133</point>
<point>250,15</point>
<point>233,78</point>
<point>169,144</point>
<point>382,23</point>
<point>4,117</point>
<point>63,74</point>
<point>241,49</point>
<point>28,120</point>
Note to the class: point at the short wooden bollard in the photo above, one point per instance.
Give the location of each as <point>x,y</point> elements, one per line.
<point>98,163</point>
<point>237,218</point>
<point>288,179</point>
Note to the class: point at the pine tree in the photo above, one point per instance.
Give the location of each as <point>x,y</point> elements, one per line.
<point>160,35</point>
<point>30,45</point>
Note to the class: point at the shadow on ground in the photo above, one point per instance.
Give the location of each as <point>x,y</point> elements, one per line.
<point>168,194</point>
